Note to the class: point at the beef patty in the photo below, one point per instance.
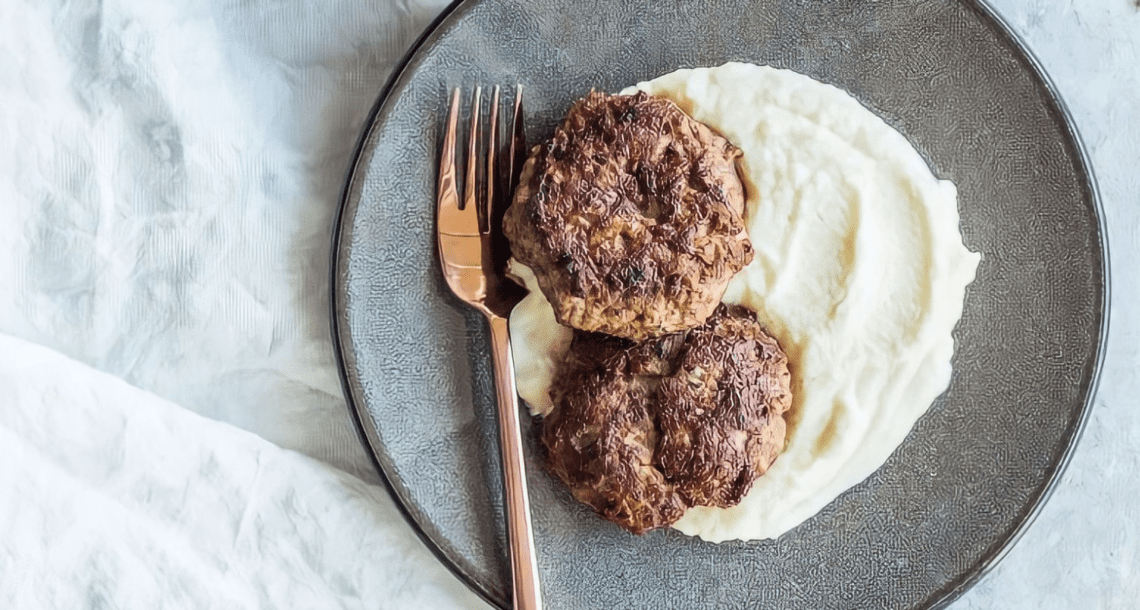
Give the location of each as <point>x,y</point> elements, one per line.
<point>642,431</point>
<point>630,217</point>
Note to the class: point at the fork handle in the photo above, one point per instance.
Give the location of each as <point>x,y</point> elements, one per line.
<point>524,567</point>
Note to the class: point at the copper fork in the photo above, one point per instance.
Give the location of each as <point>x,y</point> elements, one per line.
<point>472,254</point>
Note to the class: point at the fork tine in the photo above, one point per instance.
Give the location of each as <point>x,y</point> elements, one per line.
<point>446,192</point>
<point>453,218</point>
<point>470,186</point>
<point>508,167</point>
<point>490,206</point>
<point>517,154</point>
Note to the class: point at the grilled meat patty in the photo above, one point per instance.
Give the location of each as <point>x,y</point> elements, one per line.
<point>630,217</point>
<point>643,430</point>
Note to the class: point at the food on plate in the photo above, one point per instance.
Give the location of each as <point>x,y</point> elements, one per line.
<point>859,272</point>
<point>644,430</point>
<point>630,217</point>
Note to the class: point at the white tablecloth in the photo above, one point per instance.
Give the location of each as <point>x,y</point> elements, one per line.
<point>169,173</point>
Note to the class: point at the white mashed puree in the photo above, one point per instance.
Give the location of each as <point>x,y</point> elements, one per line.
<point>860,273</point>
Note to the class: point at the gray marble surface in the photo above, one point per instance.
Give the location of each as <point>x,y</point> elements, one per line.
<point>169,174</point>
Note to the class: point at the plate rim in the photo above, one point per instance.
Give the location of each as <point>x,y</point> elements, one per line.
<point>367,434</point>
<point>937,600</point>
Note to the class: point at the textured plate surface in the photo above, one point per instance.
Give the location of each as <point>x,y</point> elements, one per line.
<point>971,474</point>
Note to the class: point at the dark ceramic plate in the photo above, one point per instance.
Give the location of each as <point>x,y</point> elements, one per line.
<point>975,469</point>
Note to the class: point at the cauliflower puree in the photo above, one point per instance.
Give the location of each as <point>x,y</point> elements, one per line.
<point>860,273</point>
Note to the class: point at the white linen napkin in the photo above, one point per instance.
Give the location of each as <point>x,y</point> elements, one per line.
<point>115,498</point>
<point>169,174</point>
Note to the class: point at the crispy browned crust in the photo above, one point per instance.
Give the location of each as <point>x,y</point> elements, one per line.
<point>630,217</point>
<point>642,431</point>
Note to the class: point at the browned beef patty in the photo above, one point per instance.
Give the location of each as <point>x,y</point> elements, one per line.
<point>642,431</point>
<point>630,217</point>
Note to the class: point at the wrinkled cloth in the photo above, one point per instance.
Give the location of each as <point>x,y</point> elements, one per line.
<point>172,170</point>
<point>172,428</point>
<point>169,172</point>
<point>116,498</point>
